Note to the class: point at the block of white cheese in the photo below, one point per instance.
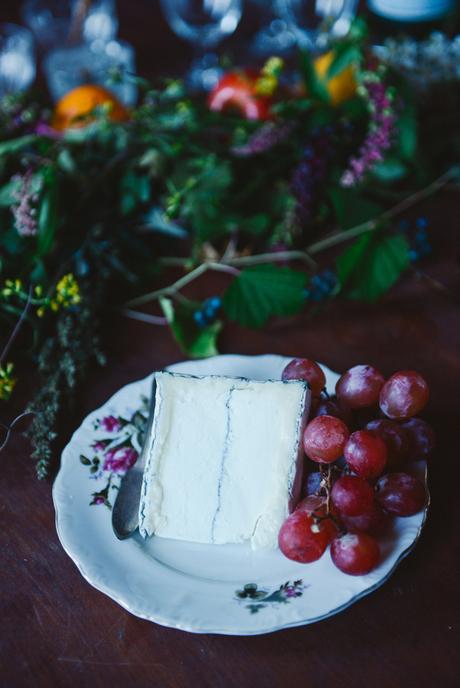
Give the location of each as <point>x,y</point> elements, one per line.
<point>223,458</point>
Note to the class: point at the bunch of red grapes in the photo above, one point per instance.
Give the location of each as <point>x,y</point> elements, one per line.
<point>361,438</point>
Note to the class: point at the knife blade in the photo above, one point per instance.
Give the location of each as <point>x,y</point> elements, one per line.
<point>125,512</point>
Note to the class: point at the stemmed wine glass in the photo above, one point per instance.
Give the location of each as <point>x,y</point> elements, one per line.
<point>204,23</point>
<point>315,22</point>
<point>17,58</point>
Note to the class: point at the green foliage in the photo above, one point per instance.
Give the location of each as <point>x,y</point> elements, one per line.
<point>134,191</point>
<point>201,197</point>
<point>315,87</point>
<point>372,264</point>
<point>262,291</point>
<point>16,145</point>
<point>345,54</point>
<point>48,213</point>
<point>194,341</point>
<point>352,207</point>
<point>390,170</point>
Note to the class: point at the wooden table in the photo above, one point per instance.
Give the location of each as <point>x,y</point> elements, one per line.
<point>56,630</point>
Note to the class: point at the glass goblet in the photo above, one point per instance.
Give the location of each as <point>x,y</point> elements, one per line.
<point>204,24</point>
<point>17,58</point>
<point>51,21</point>
<point>316,22</point>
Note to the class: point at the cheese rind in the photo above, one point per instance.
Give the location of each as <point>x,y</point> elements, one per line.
<point>224,458</point>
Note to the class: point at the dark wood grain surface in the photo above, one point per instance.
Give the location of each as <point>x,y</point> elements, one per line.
<point>56,630</point>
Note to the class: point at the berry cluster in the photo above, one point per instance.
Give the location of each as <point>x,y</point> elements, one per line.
<point>418,238</point>
<point>360,483</point>
<point>310,173</point>
<point>206,315</point>
<point>321,286</point>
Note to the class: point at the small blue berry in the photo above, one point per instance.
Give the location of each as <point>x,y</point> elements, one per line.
<point>215,302</point>
<point>421,223</point>
<point>199,318</point>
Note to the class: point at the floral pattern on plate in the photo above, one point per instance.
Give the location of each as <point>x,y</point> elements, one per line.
<point>117,450</point>
<point>284,594</point>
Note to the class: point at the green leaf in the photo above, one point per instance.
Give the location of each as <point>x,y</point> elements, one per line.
<point>194,341</point>
<point>352,208</point>
<point>8,192</point>
<point>134,190</point>
<point>204,194</point>
<point>390,170</point>
<point>262,291</point>
<point>370,266</point>
<point>316,88</point>
<point>66,161</point>
<point>155,220</point>
<point>345,55</point>
<point>407,126</point>
<point>84,460</point>
<point>47,215</point>
<point>256,224</point>
<point>15,145</point>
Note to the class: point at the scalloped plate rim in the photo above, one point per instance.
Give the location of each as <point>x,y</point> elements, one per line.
<point>164,622</point>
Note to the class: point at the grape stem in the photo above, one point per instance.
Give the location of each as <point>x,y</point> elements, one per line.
<point>326,485</point>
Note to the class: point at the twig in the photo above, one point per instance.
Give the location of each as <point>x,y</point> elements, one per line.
<point>182,282</point>
<point>9,428</point>
<point>16,328</point>
<point>144,317</point>
<point>273,257</point>
<point>241,261</point>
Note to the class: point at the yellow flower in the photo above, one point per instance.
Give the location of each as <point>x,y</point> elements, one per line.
<point>7,381</point>
<point>67,293</point>
<point>340,87</point>
<point>267,83</point>
<point>12,287</point>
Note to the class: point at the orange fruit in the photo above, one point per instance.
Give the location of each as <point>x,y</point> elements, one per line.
<point>81,101</point>
<point>342,86</point>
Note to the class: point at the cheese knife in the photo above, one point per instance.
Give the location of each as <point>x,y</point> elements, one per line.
<point>125,512</point>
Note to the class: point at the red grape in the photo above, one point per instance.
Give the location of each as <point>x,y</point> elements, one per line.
<point>360,386</point>
<point>332,407</point>
<point>355,553</point>
<point>366,454</point>
<point>352,495</point>
<point>324,439</point>
<point>400,494</point>
<point>395,437</point>
<point>404,394</point>
<point>302,538</point>
<point>421,438</point>
<point>373,521</point>
<point>304,369</point>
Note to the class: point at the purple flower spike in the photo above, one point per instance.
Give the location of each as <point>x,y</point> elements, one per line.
<point>380,134</point>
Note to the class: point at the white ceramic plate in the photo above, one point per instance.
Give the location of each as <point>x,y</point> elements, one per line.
<point>226,589</point>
